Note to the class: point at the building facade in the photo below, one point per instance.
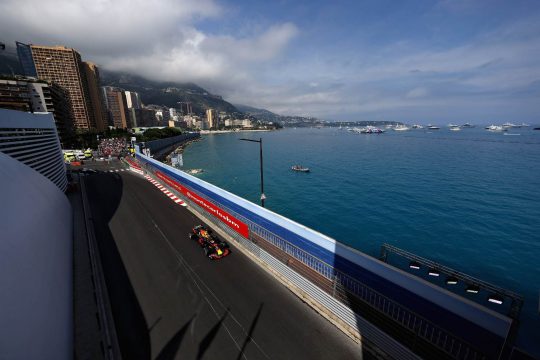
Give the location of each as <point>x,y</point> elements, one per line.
<point>116,104</point>
<point>30,95</point>
<point>133,100</point>
<point>212,118</point>
<point>64,67</point>
<point>33,140</point>
<point>98,115</point>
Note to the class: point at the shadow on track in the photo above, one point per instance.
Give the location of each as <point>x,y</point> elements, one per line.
<point>104,194</point>
<point>250,332</point>
<point>170,350</point>
<point>205,343</point>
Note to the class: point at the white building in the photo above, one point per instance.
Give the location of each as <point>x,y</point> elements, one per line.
<point>33,140</point>
<point>133,100</point>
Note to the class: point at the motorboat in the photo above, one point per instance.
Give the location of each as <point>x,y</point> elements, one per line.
<point>507,125</point>
<point>299,168</point>
<point>433,127</point>
<point>496,128</point>
<point>371,130</point>
<point>454,127</point>
<point>402,128</point>
<point>467,125</point>
<point>416,126</point>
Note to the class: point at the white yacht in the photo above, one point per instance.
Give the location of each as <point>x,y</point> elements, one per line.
<point>496,128</point>
<point>417,126</point>
<point>402,127</point>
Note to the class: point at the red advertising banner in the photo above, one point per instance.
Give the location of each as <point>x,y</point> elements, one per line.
<point>225,217</point>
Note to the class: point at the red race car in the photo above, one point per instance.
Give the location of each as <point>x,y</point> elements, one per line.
<point>213,247</point>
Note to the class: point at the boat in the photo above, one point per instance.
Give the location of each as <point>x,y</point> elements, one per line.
<point>467,125</point>
<point>402,128</point>
<point>507,125</point>
<point>454,127</point>
<point>299,168</point>
<point>371,130</point>
<point>433,127</point>
<point>416,126</point>
<point>496,128</point>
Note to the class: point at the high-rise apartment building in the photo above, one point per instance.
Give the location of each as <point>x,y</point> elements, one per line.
<point>115,101</point>
<point>212,119</point>
<point>98,114</point>
<point>62,66</point>
<point>133,100</point>
<point>30,95</point>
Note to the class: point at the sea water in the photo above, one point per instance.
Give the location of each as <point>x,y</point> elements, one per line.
<point>468,199</point>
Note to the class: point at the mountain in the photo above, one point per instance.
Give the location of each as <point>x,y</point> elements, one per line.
<point>167,93</point>
<point>261,114</point>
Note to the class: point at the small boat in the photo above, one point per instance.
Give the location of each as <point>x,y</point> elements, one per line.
<point>467,125</point>
<point>496,128</point>
<point>416,126</point>
<point>433,127</point>
<point>299,168</point>
<point>508,125</point>
<point>401,128</point>
<point>454,127</point>
<point>371,130</point>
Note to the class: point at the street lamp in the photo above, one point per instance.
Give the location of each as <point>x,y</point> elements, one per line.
<point>263,197</point>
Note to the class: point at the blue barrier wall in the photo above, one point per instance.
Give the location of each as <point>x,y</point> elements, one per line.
<point>482,328</point>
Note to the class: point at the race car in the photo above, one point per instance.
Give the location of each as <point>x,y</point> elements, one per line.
<point>213,247</point>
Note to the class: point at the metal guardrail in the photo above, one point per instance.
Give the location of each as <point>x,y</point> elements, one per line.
<point>516,300</point>
<point>347,289</point>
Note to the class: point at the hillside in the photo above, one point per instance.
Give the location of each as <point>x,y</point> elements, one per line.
<point>261,114</point>
<point>167,93</point>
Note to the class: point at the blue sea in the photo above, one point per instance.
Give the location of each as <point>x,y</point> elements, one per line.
<point>468,199</point>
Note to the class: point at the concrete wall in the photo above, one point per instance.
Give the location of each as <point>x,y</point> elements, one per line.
<point>160,144</point>
<point>36,315</point>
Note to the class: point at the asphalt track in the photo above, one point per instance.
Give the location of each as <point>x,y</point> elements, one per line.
<point>170,302</point>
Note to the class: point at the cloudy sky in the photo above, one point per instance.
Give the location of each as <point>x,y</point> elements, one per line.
<point>416,61</point>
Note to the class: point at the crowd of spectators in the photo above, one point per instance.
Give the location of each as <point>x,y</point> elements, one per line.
<point>112,147</point>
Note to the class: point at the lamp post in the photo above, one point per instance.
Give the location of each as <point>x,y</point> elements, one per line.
<point>263,197</point>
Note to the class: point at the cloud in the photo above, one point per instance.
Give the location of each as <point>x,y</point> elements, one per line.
<point>288,69</point>
<point>156,39</point>
<point>417,93</point>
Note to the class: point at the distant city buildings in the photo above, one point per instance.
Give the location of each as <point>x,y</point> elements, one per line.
<point>56,80</point>
<point>116,104</point>
<point>133,100</point>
